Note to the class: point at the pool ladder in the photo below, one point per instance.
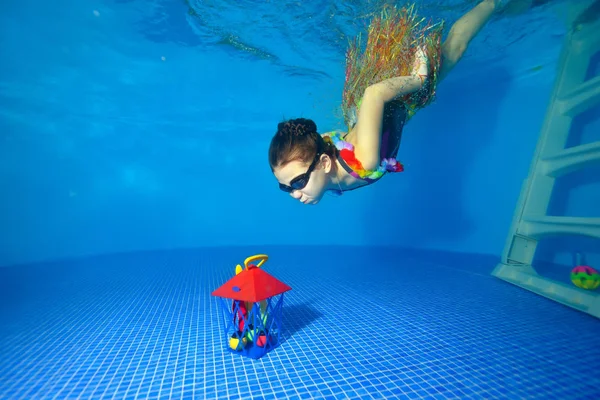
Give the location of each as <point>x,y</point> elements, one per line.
<point>572,95</point>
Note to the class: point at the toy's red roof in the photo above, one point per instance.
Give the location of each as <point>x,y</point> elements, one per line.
<point>252,284</point>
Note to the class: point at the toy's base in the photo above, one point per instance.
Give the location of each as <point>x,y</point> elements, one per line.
<point>253,350</point>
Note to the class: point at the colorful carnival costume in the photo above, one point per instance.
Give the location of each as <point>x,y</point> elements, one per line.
<point>392,41</point>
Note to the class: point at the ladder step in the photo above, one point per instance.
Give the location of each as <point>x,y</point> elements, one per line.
<point>581,98</point>
<point>586,301</point>
<point>539,227</point>
<point>570,160</point>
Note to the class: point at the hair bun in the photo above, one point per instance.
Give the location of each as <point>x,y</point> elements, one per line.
<point>297,127</point>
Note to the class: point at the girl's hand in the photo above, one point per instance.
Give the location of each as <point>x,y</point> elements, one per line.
<point>420,65</point>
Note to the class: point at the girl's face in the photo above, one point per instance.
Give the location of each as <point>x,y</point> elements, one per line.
<point>305,182</point>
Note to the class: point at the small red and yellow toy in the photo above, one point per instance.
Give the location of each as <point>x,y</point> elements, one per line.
<point>253,318</point>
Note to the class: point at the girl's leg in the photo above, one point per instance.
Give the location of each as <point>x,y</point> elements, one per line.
<point>462,32</point>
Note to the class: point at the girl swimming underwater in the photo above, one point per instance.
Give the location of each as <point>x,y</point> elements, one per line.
<point>379,97</point>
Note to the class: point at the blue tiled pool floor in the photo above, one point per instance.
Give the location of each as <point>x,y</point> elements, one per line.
<point>359,323</point>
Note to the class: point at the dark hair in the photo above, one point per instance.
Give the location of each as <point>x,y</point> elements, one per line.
<point>297,140</point>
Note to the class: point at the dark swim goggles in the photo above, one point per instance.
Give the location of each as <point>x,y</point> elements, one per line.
<point>300,182</point>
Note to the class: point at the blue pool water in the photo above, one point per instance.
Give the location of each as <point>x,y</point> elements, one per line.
<point>359,323</point>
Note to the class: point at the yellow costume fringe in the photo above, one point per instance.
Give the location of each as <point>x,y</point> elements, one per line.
<point>393,38</point>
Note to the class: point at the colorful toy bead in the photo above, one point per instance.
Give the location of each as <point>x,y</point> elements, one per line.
<point>585,277</point>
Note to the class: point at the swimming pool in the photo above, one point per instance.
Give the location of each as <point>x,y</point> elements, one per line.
<point>134,176</point>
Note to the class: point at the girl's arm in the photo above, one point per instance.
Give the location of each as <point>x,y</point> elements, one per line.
<point>370,115</point>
